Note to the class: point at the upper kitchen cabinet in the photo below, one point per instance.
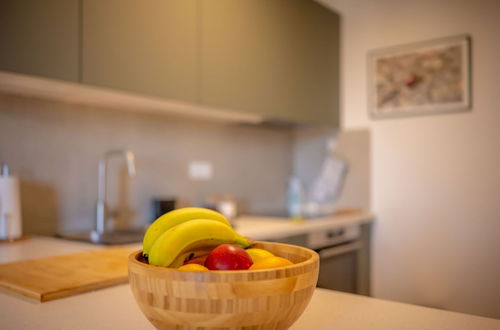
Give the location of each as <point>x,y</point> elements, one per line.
<point>277,58</point>
<point>40,38</point>
<point>259,60</point>
<point>146,47</point>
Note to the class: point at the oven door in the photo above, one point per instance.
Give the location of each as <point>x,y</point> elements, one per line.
<point>339,267</point>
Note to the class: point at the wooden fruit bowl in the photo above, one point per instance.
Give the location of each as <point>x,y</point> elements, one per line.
<point>244,299</point>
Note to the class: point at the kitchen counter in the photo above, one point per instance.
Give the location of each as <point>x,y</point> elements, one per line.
<point>115,307</point>
<point>270,228</point>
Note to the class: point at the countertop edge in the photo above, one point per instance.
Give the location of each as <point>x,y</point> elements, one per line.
<point>263,228</point>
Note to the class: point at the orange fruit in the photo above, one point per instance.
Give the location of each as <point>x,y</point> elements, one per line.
<point>270,262</point>
<point>257,254</point>
<point>193,268</point>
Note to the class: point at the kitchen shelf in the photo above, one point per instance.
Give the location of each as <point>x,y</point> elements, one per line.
<point>74,93</point>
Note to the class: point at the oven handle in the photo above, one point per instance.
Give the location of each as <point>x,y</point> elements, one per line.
<point>341,249</point>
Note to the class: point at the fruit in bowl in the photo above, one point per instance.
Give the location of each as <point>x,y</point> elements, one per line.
<point>228,257</point>
<point>175,292</point>
<point>257,254</point>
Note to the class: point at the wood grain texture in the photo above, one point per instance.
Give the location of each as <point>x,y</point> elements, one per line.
<point>61,276</point>
<point>259,299</point>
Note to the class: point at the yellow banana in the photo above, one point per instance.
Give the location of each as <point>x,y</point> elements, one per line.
<point>175,217</point>
<point>192,235</point>
<point>191,253</point>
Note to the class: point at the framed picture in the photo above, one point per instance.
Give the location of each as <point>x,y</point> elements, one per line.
<point>420,78</point>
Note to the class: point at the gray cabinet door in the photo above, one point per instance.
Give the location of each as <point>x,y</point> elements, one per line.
<point>278,58</point>
<point>147,47</point>
<point>40,38</point>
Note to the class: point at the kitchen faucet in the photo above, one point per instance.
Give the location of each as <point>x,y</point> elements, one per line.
<point>101,209</point>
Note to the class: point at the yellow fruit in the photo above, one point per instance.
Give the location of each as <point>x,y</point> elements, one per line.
<point>257,254</point>
<point>191,236</point>
<point>193,268</point>
<point>174,218</point>
<point>270,262</point>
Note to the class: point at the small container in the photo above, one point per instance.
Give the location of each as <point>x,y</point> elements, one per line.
<point>10,206</point>
<point>294,198</point>
<point>161,206</point>
<point>227,205</point>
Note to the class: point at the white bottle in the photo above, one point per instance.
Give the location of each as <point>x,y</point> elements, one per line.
<point>294,198</point>
<point>10,206</point>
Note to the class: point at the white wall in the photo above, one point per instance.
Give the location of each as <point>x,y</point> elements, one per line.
<point>435,179</point>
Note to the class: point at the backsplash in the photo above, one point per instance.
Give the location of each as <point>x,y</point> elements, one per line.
<point>55,148</point>
<point>353,146</point>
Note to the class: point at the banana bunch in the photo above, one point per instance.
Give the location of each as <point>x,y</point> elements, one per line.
<point>187,232</point>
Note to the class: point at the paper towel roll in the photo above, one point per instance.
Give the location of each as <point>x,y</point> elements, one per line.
<point>10,208</point>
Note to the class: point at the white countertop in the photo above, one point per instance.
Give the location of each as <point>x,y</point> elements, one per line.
<point>115,307</point>
<point>266,228</point>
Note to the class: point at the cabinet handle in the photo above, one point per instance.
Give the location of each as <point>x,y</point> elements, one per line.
<point>341,249</point>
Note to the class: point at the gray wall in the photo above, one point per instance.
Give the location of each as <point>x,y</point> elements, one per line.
<point>55,148</point>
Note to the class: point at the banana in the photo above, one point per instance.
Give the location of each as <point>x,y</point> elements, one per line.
<point>175,217</point>
<point>192,235</point>
<point>190,253</point>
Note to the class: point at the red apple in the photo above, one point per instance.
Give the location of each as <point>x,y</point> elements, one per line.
<point>228,257</point>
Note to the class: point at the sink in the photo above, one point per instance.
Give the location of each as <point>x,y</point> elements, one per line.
<point>107,238</point>
<point>103,215</point>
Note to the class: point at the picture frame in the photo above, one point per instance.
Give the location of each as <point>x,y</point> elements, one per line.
<point>421,78</point>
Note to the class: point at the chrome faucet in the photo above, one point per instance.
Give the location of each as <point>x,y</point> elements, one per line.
<point>101,210</point>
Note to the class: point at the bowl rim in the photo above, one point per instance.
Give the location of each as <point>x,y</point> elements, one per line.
<point>314,257</point>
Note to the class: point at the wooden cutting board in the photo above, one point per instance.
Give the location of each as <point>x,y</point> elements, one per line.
<point>61,276</point>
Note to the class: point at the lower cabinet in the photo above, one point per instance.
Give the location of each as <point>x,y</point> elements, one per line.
<point>339,272</point>
<point>344,265</point>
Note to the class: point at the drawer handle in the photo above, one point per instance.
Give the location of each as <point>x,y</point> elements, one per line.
<point>338,250</point>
